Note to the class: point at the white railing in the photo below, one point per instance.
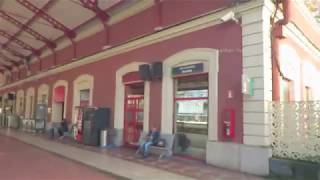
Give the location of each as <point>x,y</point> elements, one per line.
<point>295,130</point>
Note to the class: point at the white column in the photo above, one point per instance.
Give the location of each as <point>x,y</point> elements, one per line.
<point>257,64</point>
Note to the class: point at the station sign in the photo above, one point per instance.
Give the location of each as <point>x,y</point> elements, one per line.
<point>187,69</point>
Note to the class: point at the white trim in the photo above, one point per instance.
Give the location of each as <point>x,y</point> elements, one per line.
<point>120,96</point>
<point>256,63</point>
<point>146,107</point>
<point>197,24</point>
<point>29,113</point>
<point>207,55</point>
<point>82,82</point>
<point>304,11</point>
<point>296,35</point>
<point>2,79</point>
<point>20,94</point>
<point>56,84</point>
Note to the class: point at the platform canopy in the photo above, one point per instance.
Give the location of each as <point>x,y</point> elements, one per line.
<point>28,28</point>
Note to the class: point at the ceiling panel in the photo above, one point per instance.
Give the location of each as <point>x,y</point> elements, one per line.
<point>105,4</point>
<point>12,7</point>
<point>3,40</point>
<point>9,55</point>
<point>8,27</point>
<point>45,30</point>
<point>39,3</point>
<point>19,49</point>
<point>27,38</point>
<point>70,13</point>
<point>62,12</point>
<point>3,61</point>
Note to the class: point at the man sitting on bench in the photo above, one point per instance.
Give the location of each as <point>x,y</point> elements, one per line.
<point>63,128</point>
<point>151,139</point>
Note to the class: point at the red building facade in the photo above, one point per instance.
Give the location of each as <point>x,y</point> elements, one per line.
<point>205,49</point>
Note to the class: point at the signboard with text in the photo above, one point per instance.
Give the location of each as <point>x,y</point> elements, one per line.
<point>187,69</point>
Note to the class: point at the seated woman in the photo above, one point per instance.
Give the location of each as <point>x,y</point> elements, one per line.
<point>151,139</point>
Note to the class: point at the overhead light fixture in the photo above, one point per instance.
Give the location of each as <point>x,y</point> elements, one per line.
<point>106,47</point>
<point>158,28</point>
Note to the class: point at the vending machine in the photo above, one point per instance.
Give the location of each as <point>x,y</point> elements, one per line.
<point>79,124</point>
<point>41,117</point>
<point>94,120</point>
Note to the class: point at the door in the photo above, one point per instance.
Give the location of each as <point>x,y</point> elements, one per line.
<point>133,122</point>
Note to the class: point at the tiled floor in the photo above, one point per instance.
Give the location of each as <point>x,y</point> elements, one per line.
<point>192,168</point>
<point>98,160</point>
<point>19,161</point>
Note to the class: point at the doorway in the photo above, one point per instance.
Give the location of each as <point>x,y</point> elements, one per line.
<point>191,115</point>
<point>58,104</point>
<point>133,113</point>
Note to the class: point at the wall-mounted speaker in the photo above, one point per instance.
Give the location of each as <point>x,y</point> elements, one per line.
<point>11,96</point>
<point>145,72</point>
<point>156,70</point>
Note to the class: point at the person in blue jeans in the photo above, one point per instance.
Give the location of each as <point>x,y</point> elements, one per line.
<point>151,139</point>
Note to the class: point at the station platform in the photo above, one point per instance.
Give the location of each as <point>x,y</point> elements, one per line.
<point>122,162</point>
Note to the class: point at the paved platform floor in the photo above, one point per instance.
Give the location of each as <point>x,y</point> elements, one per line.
<point>122,162</point>
<point>20,161</point>
<point>196,169</point>
<point>108,164</point>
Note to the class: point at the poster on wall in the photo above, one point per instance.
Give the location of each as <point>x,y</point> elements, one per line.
<point>191,107</point>
<point>84,95</point>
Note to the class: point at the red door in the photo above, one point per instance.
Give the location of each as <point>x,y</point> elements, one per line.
<point>133,120</point>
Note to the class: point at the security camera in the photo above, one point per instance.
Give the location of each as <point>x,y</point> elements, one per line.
<point>229,16</point>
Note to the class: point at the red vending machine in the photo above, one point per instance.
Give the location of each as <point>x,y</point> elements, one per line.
<point>84,103</point>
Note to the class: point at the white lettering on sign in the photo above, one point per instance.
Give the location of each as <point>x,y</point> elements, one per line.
<point>187,71</point>
<point>187,67</point>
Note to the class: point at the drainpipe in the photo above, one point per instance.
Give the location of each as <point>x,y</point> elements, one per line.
<point>276,35</point>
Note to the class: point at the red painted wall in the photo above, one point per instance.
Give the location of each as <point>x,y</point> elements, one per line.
<point>136,26</point>
<point>225,37</point>
<point>175,11</point>
<point>155,104</point>
<point>140,24</point>
<point>63,56</point>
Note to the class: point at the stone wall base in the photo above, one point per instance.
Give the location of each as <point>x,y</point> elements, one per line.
<point>239,157</point>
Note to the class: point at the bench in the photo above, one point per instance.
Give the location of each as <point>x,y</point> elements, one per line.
<point>166,151</point>
<point>53,128</point>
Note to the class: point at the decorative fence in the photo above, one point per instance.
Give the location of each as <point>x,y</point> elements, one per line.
<point>296,130</point>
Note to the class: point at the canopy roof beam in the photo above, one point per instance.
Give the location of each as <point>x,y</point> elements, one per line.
<point>42,14</point>
<point>19,42</point>
<point>27,29</point>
